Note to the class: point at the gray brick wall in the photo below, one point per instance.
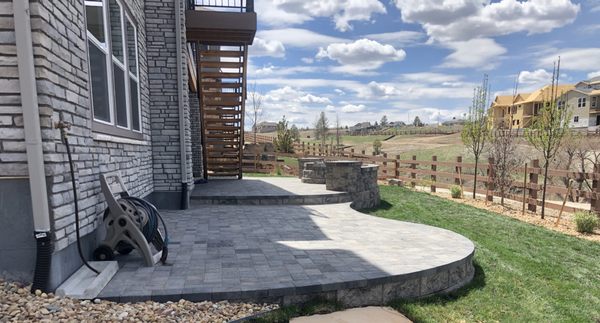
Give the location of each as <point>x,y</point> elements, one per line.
<point>61,59</point>
<point>196,136</point>
<point>164,110</point>
<point>60,50</point>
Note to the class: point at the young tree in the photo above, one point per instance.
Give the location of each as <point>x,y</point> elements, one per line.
<point>548,129</point>
<point>284,142</point>
<point>417,122</point>
<point>506,160</point>
<point>254,113</point>
<point>377,147</point>
<point>322,128</point>
<point>295,133</point>
<point>338,141</point>
<point>476,130</point>
<point>573,156</point>
<point>384,121</point>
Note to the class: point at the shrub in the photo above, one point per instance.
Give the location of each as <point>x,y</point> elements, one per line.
<point>377,147</point>
<point>456,192</point>
<point>586,222</point>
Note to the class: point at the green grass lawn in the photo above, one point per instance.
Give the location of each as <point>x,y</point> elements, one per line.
<point>524,273</point>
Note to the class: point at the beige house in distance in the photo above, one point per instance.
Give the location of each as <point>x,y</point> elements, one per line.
<point>518,112</point>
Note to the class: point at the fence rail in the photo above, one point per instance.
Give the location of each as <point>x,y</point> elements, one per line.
<point>526,186</point>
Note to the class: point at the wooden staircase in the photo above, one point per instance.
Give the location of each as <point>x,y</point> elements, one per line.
<point>222,98</point>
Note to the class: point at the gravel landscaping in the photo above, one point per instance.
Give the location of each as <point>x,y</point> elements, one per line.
<point>17,304</point>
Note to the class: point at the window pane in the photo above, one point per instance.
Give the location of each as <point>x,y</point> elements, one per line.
<point>95,23</point>
<point>120,98</point>
<point>99,82</point>
<point>135,112</point>
<point>116,30</point>
<point>131,46</point>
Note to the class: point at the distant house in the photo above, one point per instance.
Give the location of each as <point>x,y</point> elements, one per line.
<point>266,126</point>
<point>454,122</point>
<point>362,127</point>
<point>518,112</point>
<point>396,124</point>
<point>583,103</point>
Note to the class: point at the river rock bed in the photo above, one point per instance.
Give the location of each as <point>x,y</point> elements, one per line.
<point>17,304</point>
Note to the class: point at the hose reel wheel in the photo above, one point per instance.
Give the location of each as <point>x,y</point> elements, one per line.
<point>138,215</point>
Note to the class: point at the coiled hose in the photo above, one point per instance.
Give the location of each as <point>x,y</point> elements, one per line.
<point>150,230</point>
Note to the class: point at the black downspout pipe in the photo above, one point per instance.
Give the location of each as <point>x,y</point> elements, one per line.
<point>43,260</point>
<point>185,201</point>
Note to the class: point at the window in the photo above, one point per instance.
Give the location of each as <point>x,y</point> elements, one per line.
<point>581,102</point>
<point>113,60</point>
<point>594,101</point>
<point>560,104</point>
<point>576,119</point>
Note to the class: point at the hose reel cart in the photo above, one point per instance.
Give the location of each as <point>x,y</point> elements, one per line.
<point>131,223</point>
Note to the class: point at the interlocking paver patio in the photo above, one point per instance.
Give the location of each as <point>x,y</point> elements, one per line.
<point>220,251</point>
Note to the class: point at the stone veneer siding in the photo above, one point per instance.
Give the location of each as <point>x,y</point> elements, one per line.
<point>164,110</point>
<point>147,166</point>
<point>355,178</point>
<point>198,166</point>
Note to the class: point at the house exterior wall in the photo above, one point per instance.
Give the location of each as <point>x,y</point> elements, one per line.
<point>582,113</point>
<point>164,110</point>
<point>149,166</point>
<point>196,120</point>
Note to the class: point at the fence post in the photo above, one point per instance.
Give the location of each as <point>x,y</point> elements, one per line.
<point>490,180</point>
<point>351,152</point>
<point>413,175</point>
<point>303,151</point>
<point>433,175</point>
<point>458,171</point>
<point>533,186</point>
<point>595,201</point>
<point>363,153</point>
<point>397,167</point>
<point>385,166</point>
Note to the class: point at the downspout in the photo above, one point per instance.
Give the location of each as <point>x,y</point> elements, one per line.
<point>33,141</point>
<point>182,146</point>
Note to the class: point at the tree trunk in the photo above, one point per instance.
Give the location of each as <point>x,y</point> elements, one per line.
<point>544,189</point>
<point>475,178</point>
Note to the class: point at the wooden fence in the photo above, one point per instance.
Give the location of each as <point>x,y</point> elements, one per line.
<point>526,186</point>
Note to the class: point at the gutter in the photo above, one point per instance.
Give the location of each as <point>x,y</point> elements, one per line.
<point>33,141</point>
<point>182,146</point>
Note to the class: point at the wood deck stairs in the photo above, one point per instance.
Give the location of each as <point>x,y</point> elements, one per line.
<point>222,90</point>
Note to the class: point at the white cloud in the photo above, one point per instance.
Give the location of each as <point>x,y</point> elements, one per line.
<point>342,12</point>
<point>575,59</point>
<point>351,108</point>
<point>271,70</point>
<point>461,20</point>
<point>339,91</point>
<point>308,60</point>
<point>430,77</point>
<point>299,38</point>
<point>398,38</point>
<point>361,55</point>
<point>290,94</point>
<point>264,47</point>
<point>593,74</point>
<point>475,53</point>
<point>540,76</point>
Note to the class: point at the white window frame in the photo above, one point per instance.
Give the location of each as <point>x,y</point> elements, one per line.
<point>111,59</point>
<point>581,102</point>
<point>575,119</point>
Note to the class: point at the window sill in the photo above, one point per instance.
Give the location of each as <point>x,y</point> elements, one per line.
<point>104,132</point>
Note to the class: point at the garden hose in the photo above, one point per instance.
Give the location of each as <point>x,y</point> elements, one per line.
<point>63,131</point>
<point>150,230</point>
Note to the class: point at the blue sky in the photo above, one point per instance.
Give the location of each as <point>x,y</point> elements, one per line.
<point>362,59</point>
